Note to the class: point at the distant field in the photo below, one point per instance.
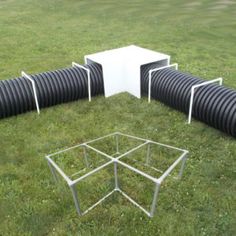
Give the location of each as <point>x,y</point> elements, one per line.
<point>37,36</point>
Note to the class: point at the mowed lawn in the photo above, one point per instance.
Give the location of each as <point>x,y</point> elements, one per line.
<point>37,36</point>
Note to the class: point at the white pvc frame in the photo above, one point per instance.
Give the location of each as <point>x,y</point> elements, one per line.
<point>150,77</point>
<point>74,64</point>
<point>220,80</point>
<point>34,89</point>
<point>116,161</point>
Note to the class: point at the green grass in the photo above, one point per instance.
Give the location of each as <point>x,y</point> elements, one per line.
<point>44,35</point>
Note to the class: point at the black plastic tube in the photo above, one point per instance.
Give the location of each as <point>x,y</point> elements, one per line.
<point>213,104</point>
<point>53,87</point>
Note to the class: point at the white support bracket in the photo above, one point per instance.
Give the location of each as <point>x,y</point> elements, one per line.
<point>34,89</point>
<point>220,80</point>
<point>74,64</point>
<point>150,77</point>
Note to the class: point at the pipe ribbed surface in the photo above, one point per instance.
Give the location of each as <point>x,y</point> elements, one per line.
<point>53,87</point>
<point>213,104</point>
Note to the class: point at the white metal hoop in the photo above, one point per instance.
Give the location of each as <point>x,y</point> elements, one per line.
<point>34,89</point>
<point>220,80</point>
<point>89,80</point>
<point>150,77</point>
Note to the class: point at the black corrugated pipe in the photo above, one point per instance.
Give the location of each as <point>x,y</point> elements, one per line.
<point>53,87</point>
<point>213,104</point>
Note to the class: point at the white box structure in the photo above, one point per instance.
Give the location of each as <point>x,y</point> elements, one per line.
<point>118,159</point>
<point>121,67</point>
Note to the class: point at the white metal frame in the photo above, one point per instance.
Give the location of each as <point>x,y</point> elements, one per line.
<point>194,87</point>
<point>74,64</point>
<point>34,89</point>
<point>117,161</point>
<point>150,77</point>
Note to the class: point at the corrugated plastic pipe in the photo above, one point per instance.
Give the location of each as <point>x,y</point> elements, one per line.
<point>213,104</point>
<point>53,87</point>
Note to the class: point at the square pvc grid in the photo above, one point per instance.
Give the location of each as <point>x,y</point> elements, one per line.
<point>119,158</point>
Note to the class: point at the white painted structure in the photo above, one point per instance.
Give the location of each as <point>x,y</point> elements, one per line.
<point>121,67</point>
<point>121,70</point>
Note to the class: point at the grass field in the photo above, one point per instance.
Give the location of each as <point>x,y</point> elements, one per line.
<point>38,36</point>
